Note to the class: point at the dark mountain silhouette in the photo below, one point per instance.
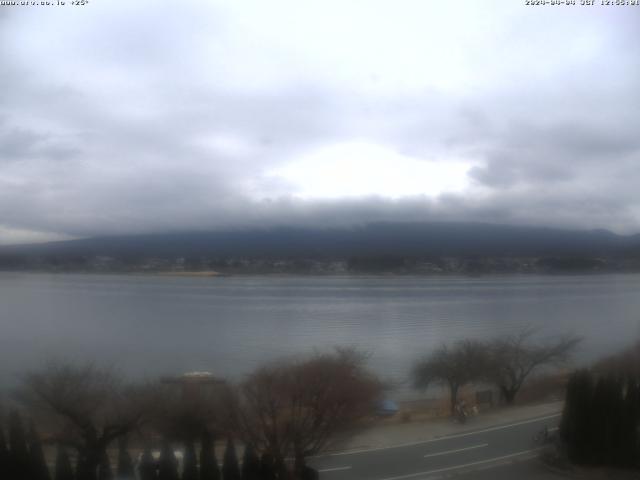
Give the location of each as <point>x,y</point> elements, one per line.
<point>406,239</point>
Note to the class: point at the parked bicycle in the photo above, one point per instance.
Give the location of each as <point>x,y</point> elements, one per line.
<point>544,436</point>
<point>461,412</point>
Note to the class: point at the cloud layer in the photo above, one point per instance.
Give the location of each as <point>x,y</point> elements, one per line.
<point>126,117</point>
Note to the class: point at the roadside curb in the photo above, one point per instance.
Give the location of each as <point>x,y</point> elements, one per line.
<point>569,473</point>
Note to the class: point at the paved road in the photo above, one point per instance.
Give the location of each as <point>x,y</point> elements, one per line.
<point>477,451</point>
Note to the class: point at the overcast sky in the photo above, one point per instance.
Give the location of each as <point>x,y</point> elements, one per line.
<point>139,116</point>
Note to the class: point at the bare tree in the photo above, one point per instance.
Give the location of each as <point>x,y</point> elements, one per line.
<point>87,406</point>
<point>182,418</point>
<point>297,408</point>
<point>625,363</point>
<point>513,358</point>
<point>452,366</point>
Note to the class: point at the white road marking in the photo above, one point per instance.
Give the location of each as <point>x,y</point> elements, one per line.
<point>464,465</point>
<point>335,469</point>
<point>439,439</point>
<point>491,429</point>
<point>456,450</point>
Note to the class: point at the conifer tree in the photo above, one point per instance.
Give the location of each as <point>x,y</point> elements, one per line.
<point>605,422</point>
<point>599,427</point>
<point>575,426</point>
<point>4,455</point>
<point>308,473</point>
<point>250,464</point>
<point>209,469</point>
<point>125,464</point>
<point>18,453</point>
<point>632,424</point>
<point>63,469</point>
<point>147,469</point>
<point>282,472</point>
<point>168,465</point>
<point>267,467</point>
<point>83,470</point>
<point>190,465</point>
<point>617,422</point>
<point>105,472</point>
<point>37,463</point>
<point>601,420</point>
<point>230,468</point>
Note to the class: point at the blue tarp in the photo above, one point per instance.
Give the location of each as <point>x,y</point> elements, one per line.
<point>387,407</point>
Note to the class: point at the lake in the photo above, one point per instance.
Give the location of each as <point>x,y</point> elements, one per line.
<point>149,325</point>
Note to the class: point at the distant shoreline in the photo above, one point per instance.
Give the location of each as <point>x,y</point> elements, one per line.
<point>216,274</point>
<point>195,273</point>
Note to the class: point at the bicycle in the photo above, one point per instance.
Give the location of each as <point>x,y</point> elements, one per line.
<point>542,437</point>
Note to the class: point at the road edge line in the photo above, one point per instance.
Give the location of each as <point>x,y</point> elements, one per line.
<point>437,439</point>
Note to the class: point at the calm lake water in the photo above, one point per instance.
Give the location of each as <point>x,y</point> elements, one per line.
<point>149,325</point>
